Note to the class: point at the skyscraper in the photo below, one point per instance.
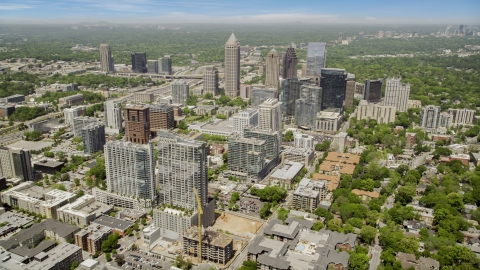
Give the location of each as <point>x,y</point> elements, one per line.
<point>182,165</point>
<point>396,94</point>
<point>333,84</point>
<point>340,37</point>
<point>246,158</point>
<point>93,137</point>
<point>270,115</point>
<point>152,66</point>
<point>273,141</point>
<point>137,124</point>
<point>289,63</point>
<point>243,119</point>
<point>232,66</point>
<point>80,122</point>
<point>161,117</point>
<point>350,90</point>
<point>130,170</point>
<point>21,163</point>
<point>290,93</point>
<point>113,115</point>
<point>5,162</point>
<point>316,58</point>
<point>210,81</point>
<point>273,69</point>
<point>139,62</point>
<point>106,59</point>
<point>430,117</point>
<point>180,92</point>
<point>373,90</point>
<point>259,95</point>
<point>306,105</point>
<point>165,65</point>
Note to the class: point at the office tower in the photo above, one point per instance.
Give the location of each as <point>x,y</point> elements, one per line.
<point>93,137</point>
<point>139,62</point>
<point>340,37</point>
<point>161,117</point>
<point>272,70</point>
<point>306,105</point>
<point>270,115</point>
<point>182,165</point>
<point>361,35</point>
<point>462,116</point>
<point>333,84</point>
<point>430,117</point>
<point>290,93</point>
<point>106,59</point>
<point>349,90</point>
<point>373,90</point>
<point>180,92</point>
<point>246,158</point>
<point>396,94</point>
<point>289,64</point>
<point>81,122</point>
<point>259,95</point>
<point>243,119</point>
<point>445,120</point>
<point>246,91</point>
<point>210,81</point>
<point>273,141</point>
<point>232,66</point>
<point>303,140</point>
<point>152,66</point>
<point>316,59</point>
<point>165,65</point>
<point>137,124</point>
<point>113,115</point>
<point>21,163</point>
<point>5,162</point>
<point>130,170</point>
<point>71,113</point>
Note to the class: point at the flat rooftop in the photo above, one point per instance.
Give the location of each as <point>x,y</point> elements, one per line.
<point>333,180</point>
<point>13,221</point>
<point>288,170</point>
<point>49,163</point>
<point>343,157</point>
<point>114,223</point>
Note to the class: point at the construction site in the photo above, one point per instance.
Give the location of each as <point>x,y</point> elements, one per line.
<point>216,246</point>
<point>237,225</point>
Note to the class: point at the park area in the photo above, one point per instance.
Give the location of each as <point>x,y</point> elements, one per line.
<point>240,226</point>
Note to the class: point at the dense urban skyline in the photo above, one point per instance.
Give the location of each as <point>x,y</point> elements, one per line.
<point>148,11</point>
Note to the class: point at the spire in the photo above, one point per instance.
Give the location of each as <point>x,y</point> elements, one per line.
<point>232,38</point>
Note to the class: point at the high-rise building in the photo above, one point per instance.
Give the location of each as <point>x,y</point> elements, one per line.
<point>139,62</point>
<point>290,93</point>
<point>93,137</point>
<point>182,165</point>
<point>369,110</point>
<point>430,117</point>
<point>80,122</point>
<point>106,59</point>
<point>232,66</point>
<point>130,170</point>
<point>113,115</point>
<point>396,94</point>
<point>272,69</point>
<point>349,90</point>
<point>5,162</point>
<point>180,92</point>
<point>462,116</point>
<point>303,140</point>
<point>333,84</point>
<point>243,119</point>
<point>71,113</point>
<point>373,90</point>
<point>306,105</point>
<point>340,37</point>
<point>270,115</point>
<point>137,124</point>
<point>21,163</point>
<point>165,65</point>
<point>260,95</point>
<point>161,117</point>
<point>273,140</point>
<point>316,59</point>
<point>289,64</point>
<point>152,66</point>
<point>210,81</point>
<point>246,158</point>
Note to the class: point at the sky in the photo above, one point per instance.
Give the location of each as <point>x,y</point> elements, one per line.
<point>246,11</point>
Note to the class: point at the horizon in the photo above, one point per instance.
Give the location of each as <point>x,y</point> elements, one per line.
<point>372,12</point>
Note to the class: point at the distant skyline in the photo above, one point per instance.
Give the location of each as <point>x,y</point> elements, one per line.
<point>247,11</point>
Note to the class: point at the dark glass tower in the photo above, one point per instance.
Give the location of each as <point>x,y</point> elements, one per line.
<point>333,84</point>
<point>139,62</point>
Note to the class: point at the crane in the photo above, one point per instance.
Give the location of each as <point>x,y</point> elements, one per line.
<point>200,213</point>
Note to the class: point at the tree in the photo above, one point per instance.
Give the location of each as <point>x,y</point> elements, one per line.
<point>80,193</point>
<point>317,226</point>
<point>368,234</point>
<point>76,181</point>
<point>335,225</point>
<point>323,146</point>
<point>321,212</point>
<point>248,265</point>
<point>181,263</point>
<point>402,169</point>
<point>282,214</point>
<point>265,211</point>
<point>288,137</point>
<point>74,265</point>
<point>405,194</point>
<point>455,200</point>
<point>358,261</point>
<point>110,243</point>
<point>108,257</point>
<point>182,125</point>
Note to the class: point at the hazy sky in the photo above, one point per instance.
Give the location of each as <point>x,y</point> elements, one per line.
<point>246,11</point>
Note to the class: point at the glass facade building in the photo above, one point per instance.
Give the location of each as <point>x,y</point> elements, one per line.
<point>316,58</point>
<point>333,83</point>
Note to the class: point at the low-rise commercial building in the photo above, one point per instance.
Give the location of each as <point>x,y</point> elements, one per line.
<point>329,121</point>
<point>119,226</point>
<point>13,222</point>
<point>286,172</point>
<point>83,211</point>
<point>70,100</point>
<point>143,97</point>
<point>302,155</point>
<point>48,166</point>
<point>216,246</point>
<point>13,99</point>
<point>91,238</point>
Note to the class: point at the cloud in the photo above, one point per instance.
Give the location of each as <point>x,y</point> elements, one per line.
<point>14,6</point>
<point>371,19</point>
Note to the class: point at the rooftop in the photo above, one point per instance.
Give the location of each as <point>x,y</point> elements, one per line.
<point>55,256</point>
<point>115,223</point>
<point>343,157</point>
<point>49,163</point>
<point>371,194</point>
<point>86,205</point>
<point>209,237</point>
<point>287,171</point>
<point>13,221</point>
